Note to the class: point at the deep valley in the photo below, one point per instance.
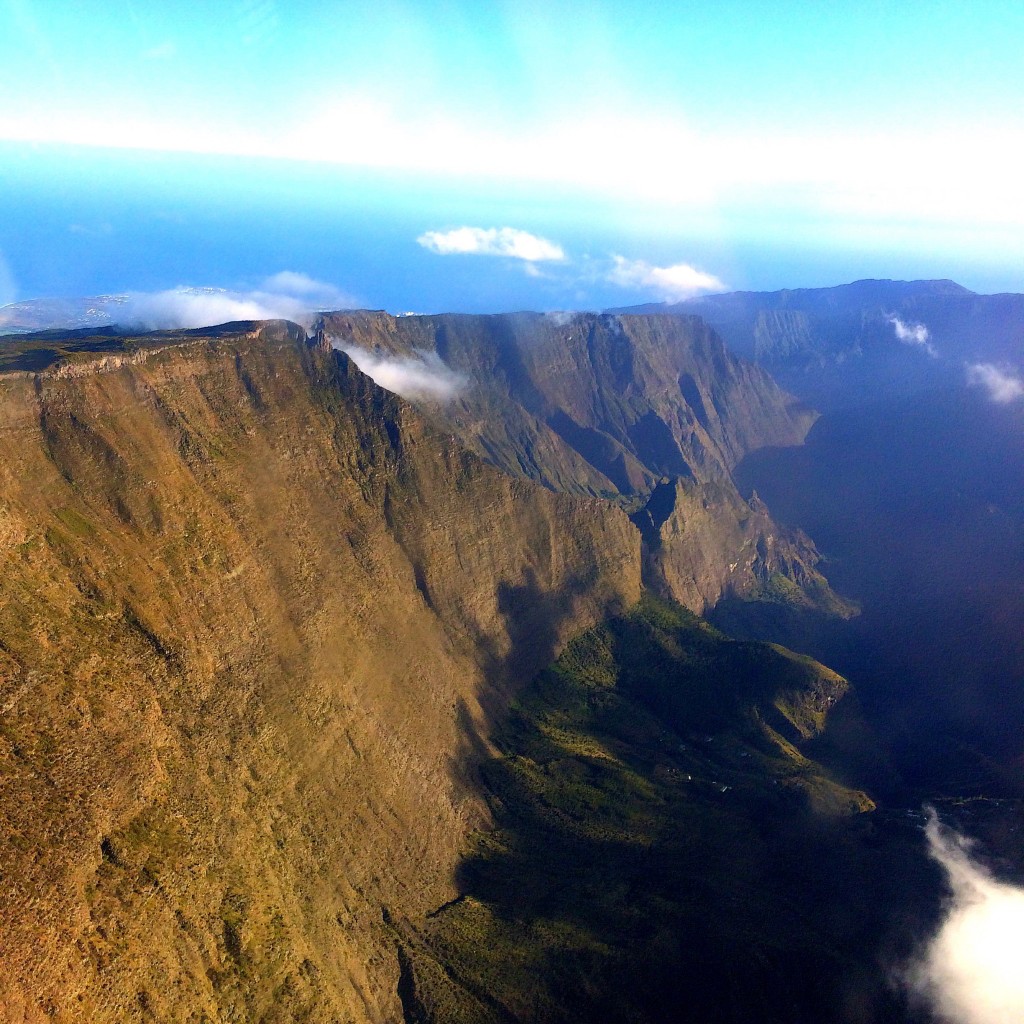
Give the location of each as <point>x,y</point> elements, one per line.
<point>598,678</point>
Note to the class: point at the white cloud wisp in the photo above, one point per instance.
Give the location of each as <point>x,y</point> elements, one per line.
<point>970,972</point>
<point>671,284</point>
<point>510,242</point>
<point>423,376</point>
<point>561,317</point>
<point>291,282</point>
<point>1002,384</point>
<point>913,334</point>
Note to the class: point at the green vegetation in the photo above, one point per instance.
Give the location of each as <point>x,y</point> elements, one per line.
<point>76,523</point>
<point>663,849</point>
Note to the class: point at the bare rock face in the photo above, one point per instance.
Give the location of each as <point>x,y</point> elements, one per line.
<point>702,542</point>
<point>259,617</point>
<point>649,410</point>
<point>604,403</point>
<point>255,616</point>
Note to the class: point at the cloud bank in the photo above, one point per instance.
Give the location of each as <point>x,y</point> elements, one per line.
<point>287,295</point>
<point>859,179</point>
<point>290,282</point>
<point>672,284</point>
<point>512,242</point>
<point>970,972</point>
<point>1002,384</point>
<point>913,334</point>
<point>423,376</point>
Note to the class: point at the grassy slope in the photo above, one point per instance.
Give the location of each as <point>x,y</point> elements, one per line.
<point>665,852</point>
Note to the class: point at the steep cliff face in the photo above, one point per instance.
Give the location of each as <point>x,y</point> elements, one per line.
<point>703,541</point>
<point>838,347</point>
<point>647,410</point>
<point>254,617</point>
<point>632,398</point>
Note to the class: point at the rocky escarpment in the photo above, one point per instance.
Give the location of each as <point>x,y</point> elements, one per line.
<point>255,616</point>
<point>838,347</point>
<point>645,410</point>
<point>632,398</point>
<point>687,528</point>
<point>808,326</point>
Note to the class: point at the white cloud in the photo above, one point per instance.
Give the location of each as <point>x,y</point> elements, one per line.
<point>423,376</point>
<point>913,334</point>
<point>285,296</point>
<point>204,307</point>
<point>1003,384</point>
<point>864,179</point>
<point>512,242</point>
<point>319,293</point>
<point>970,971</point>
<point>672,284</point>
<point>561,317</point>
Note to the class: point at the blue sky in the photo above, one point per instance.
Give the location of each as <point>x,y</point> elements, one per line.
<point>661,149</point>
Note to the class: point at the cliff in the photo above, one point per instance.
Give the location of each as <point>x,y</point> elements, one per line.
<point>704,543</point>
<point>838,347</point>
<point>628,399</point>
<point>256,617</point>
<point>633,408</point>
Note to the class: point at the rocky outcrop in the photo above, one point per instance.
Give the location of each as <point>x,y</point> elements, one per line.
<point>255,617</point>
<point>637,408</point>
<point>703,543</point>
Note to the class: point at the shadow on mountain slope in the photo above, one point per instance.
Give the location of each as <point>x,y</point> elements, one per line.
<point>663,850</point>
<point>925,527</point>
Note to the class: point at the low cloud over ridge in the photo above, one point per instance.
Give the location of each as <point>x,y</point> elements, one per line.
<point>970,972</point>
<point>423,376</point>
<point>913,334</point>
<point>1002,384</point>
<point>287,295</point>
<point>671,284</point>
<point>510,242</point>
<point>179,308</point>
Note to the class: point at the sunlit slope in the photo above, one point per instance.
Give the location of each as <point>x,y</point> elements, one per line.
<point>254,619</point>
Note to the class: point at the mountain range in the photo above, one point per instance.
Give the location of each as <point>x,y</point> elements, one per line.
<point>324,703</point>
<point>867,340</point>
